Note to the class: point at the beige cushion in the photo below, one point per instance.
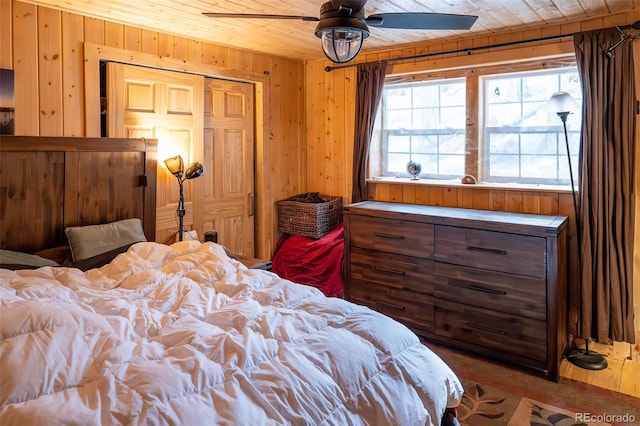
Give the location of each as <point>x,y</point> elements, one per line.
<point>92,240</point>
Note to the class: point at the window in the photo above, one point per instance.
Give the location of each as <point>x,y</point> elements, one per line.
<point>523,142</point>
<point>424,123</point>
<point>519,141</point>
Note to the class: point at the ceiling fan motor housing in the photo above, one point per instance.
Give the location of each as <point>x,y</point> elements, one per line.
<point>341,17</point>
<point>342,31</point>
<point>355,5</point>
<point>342,26</point>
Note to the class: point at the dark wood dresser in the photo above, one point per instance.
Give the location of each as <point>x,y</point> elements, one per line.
<point>488,282</point>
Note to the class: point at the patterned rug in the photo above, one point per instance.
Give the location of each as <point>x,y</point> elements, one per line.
<point>484,405</point>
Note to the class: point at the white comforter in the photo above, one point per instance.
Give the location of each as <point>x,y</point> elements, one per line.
<point>185,335</point>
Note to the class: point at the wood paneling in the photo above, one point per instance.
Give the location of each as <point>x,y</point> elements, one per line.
<point>57,88</point>
<point>322,108</point>
<point>95,185</point>
<point>50,72</point>
<point>23,192</point>
<point>73,73</point>
<point>497,21</point>
<point>47,184</point>
<point>5,35</point>
<point>25,63</point>
<point>304,115</point>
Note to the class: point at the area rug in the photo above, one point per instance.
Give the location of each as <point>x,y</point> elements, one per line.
<point>499,394</point>
<point>486,405</point>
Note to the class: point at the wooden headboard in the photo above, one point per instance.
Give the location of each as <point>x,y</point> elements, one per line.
<point>50,183</point>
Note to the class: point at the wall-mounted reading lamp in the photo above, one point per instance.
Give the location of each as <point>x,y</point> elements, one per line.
<point>609,53</point>
<point>176,167</point>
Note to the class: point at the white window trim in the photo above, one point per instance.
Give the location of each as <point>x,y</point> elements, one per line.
<point>544,56</point>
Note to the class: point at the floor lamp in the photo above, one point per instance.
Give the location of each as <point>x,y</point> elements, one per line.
<point>176,167</point>
<point>562,103</point>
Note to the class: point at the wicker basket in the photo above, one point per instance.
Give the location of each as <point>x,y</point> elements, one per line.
<point>303,215</point>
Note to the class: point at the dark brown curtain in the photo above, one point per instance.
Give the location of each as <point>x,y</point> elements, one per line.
<point>606,187</point>
<point>368,93</point>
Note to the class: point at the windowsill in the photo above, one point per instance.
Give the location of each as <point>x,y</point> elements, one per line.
<point>457,183</point>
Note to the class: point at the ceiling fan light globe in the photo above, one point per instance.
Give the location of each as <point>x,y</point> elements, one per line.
<point>341,45</point>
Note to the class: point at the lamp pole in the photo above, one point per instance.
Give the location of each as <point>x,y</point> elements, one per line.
<point>175,165</point>
<point>181,210</point>
<point>563,116</point>
<point>562,103</point>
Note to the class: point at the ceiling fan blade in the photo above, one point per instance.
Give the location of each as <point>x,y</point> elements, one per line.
<point>259,16</point>
<point>421,21</point>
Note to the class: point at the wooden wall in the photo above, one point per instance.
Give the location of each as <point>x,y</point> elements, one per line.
<point>330,96</point>
<point>45,48</point>
<point>330,99</point>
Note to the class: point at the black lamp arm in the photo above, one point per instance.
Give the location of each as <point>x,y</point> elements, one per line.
<point>175,166</point>
<point>181,210</point>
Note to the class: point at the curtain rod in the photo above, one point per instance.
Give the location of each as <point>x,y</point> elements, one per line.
<point>635,25</point>
<point>451,52</point>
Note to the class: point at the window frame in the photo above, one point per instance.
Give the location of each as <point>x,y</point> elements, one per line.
<point>385,133</point>
<point>475,161</point>
<point>556,129</point>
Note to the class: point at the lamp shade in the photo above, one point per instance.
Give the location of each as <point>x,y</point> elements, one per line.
<point>175,165</point>
<point>562,102</point>
<point>196,169</point>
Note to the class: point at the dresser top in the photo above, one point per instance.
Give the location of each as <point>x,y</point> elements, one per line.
<point>496,220</point>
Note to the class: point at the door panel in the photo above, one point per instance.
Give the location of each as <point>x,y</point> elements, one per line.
<point>229,152</point>
<point>202,119</point>
<point>168,106</point>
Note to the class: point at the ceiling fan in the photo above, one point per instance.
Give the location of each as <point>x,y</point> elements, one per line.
<point>342,25</point>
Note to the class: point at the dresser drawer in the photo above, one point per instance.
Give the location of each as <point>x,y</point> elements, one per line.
<point>495,330</point>
<point>497,251</point>
<point>392,269</point>
<point>392,235</point>
<point>519,295</point>
<point>413,309</point>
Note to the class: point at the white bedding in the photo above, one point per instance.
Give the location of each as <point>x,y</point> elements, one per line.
<point>185,335</point>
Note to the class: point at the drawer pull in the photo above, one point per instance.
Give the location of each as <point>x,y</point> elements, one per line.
<point>487,290</point>
<point>389,271</point>
<point>390,236</point>
<point>484,328</point>
<point>390,305</point>
<point>413,290</point>
<point>487,250</point>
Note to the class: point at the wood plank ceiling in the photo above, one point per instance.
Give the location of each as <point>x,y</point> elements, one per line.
<point>296,39</point>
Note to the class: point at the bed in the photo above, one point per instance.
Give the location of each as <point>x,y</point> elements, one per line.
<point>183,333</point>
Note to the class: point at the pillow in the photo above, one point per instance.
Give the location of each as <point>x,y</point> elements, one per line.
<point>89,241</point>
<point>100,259</point>
<point>10,259</point>
<point>60,254</point>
